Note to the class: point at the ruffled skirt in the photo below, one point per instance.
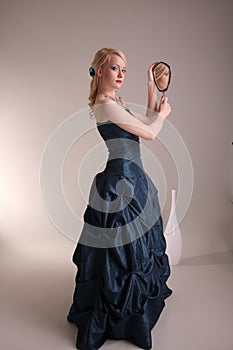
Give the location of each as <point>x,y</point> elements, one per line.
<point>122,271</point>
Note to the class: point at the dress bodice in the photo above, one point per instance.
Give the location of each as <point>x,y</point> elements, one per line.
<point>123,150</point>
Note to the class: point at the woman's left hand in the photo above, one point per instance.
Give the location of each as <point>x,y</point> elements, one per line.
<point>150,72</point>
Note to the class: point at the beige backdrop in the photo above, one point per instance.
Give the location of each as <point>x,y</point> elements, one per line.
<point>46,49</point>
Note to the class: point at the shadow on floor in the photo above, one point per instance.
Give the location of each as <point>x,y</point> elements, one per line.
<point>210,259</point>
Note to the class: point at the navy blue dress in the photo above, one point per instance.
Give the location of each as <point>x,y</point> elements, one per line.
<point>122,267</point>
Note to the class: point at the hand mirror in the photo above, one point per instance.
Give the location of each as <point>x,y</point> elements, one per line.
<point>162,76</point>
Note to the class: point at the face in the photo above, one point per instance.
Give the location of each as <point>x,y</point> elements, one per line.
<point>162,76</point>
<point>112,73</point>
<point>163,81</point>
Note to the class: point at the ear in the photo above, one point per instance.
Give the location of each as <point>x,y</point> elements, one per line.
<point>99,72</point>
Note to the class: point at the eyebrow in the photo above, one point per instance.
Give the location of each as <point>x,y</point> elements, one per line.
<point>115,64</point>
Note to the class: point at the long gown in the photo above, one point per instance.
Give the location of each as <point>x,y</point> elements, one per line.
<point>122,267</point>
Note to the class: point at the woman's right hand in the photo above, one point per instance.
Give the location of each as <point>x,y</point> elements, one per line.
<point>164,107</point>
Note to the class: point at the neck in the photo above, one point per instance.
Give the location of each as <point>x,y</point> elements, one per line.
<point>107,93</point>
<point>117,100</point>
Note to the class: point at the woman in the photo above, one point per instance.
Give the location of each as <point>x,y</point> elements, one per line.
<point>122,265</point>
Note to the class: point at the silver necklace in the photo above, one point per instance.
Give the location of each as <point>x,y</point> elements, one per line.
<point>115,99</point>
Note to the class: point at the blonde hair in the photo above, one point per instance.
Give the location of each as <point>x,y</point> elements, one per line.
<point>160,70</point>
<point>102,56</point>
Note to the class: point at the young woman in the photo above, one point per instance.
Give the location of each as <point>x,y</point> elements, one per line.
<point>122,265</point>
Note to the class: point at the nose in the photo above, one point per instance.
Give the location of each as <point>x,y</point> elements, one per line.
<point>119,73</point>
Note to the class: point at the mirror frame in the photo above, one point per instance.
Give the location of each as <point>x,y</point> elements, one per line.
<point>169,80</point>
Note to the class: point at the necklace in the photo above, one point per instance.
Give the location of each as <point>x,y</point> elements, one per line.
<point>115,99</point>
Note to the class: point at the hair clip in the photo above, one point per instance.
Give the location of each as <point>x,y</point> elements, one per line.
<point>92,72</point>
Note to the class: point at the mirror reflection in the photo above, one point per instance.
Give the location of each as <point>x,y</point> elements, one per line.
<point>162,76</point>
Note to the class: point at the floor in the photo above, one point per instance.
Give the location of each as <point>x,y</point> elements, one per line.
<point>36,294</point>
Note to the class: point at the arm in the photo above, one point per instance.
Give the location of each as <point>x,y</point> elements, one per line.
<point>152,93</point>
<point>109,110</point>
<point>152,107</point>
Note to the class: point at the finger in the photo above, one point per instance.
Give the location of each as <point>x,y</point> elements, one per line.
<point>153,65</point>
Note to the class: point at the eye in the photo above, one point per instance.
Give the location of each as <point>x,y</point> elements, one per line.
<point>124,71</point>
<point>114,68</point>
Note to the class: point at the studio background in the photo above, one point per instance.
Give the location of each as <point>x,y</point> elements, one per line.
<point>46,50</point>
